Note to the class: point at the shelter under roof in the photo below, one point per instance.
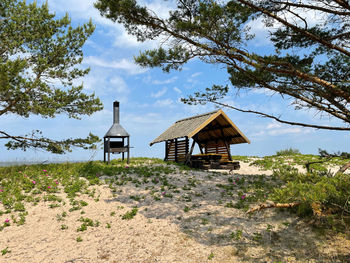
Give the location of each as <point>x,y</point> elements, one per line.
<point>209,126</point>
<point>214,132</point>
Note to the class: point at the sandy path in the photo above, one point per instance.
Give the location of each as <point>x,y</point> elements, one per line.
<point>162,231</point>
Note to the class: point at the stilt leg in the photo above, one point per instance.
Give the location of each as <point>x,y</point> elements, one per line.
<point>109,151</point>
<point>128,140</point>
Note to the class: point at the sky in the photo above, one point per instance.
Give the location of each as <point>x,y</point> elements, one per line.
<point>150,99</point>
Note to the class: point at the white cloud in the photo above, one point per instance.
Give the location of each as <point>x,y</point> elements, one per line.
<point>148,118</point>
<point>159,93</point>
<point>196,74</point>
<point>119,85</point>
<point>285,131</point>
<point>164,103</point>
<point>273,126</point>
<point>167,81</point>
<point>84,10</point>
<point>258,28</point>
<point>79,9</point>
<point>261,32</point>
<point>193,78</point>
<point>160,7</point>
<point>125,40</point>
<point>122,64</point>
<point>275,129</point>
<point>177,90</point>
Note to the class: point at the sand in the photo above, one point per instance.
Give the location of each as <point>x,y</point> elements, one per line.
<point>162,231</point>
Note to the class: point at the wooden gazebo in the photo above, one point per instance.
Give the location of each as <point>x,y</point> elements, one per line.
<point>214,132</point>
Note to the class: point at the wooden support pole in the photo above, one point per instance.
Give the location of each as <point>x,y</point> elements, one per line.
<point>176,150</point>
<point>128,141</point>
<point>109,150</point>
<point>187,142</point>
<point>200,148</point>
<point>192,147</point>
<point>188,157</point>
<point>104,150</point>
<point>123,152</point>
<point>226,145</point>
<point>166,150</point>
<point>228,150</point>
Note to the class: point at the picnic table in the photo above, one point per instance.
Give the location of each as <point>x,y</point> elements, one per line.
<point>207,157</point>
<point>202,160</point>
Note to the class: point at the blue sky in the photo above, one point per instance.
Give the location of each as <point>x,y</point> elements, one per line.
<point>150,99</point>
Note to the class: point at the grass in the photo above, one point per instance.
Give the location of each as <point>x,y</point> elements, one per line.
<point>34,183</point>
<point>5,251</point>
<point>69,188</point>
<point>130,214</point>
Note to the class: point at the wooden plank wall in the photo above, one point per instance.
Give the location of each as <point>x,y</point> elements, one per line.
<point>177,150</point>
<point>219,148</point>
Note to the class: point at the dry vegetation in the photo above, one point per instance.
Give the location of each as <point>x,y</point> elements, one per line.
<point>151,211</point>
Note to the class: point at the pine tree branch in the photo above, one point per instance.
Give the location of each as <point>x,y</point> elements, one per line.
<point>279,120</point>
<point>296,28</point>
<point>313,7</point>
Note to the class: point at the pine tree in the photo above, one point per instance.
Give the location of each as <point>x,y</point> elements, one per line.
<point>310,65</point>
<point>39,62</point>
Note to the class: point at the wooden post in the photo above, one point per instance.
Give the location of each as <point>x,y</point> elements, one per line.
<point>123,152</point>
<point>200,148</point>
<point>104,150</point>
<point>188,156</point>
<point>226,145</point>
<point>128,141</point>
<point>166,150</point>
<point>192,147</point>
<point>109,150</point>
<point>228,150</point>
<point>176,150</point>
<point>187,142</point>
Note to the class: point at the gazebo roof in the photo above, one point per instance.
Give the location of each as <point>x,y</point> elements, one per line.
<point>204,128</point>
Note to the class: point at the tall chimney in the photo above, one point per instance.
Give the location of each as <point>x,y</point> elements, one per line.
<point>116,132</point>
<point>116,112</point>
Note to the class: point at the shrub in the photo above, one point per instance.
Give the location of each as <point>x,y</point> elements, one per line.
<point>289,151</point>
<point>316,194</point>
<point>129,215</point>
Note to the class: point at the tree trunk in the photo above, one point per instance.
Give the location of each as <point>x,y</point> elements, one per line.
<point>273,205</point>
<point>344,168</point>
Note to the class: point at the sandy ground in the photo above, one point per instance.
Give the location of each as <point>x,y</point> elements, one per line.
<point>162,231</point>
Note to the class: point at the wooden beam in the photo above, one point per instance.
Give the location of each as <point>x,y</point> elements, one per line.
<point>234,126</point>
<point>199,146</point>
<point>166,150</point>
<point>188,158</point>
<point>176,150</point>
<point>128,140</point>
<point>123,152</point>
<point>220,139</point>
<point>104,150</point>
<point>227,145</point>
<point>187,142</point>
<point>109,151</point>
<point>216,128</point>
<point>209,120</point>
<point>192,147</point>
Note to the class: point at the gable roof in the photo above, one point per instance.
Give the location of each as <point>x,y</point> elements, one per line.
<point>205,127</point>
